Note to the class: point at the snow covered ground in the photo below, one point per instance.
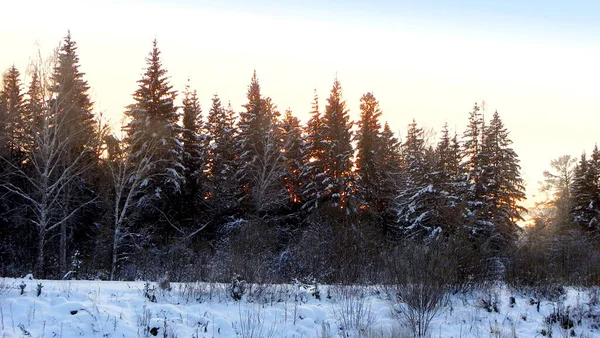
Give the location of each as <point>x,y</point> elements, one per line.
<point>139,309</point>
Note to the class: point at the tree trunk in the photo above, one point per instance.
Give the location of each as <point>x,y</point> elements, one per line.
<point>63,250</point>
<point>115,246</point>
<point>39,265</point>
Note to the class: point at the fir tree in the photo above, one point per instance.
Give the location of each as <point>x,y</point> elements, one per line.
<point>389,165</point>
<point>153,124</point>
<point>337,181</point>
<point>267,169</point>
<point>293,154</point>
<point>223,159</point>
<point>34,106</point>
<point>253,126</point>
<point>70,107</point>
<point>193,160</point>
<point>313,159</point>
<point>448,157</point>
<point>416,203</point>
<point>444,179</point>
<point>503,185</point>
<point>13,117</point>
<point>368,146</point>
<point>71,102</point>
<point>471,189</point>
<point>585,208</point>
<point>194,145</point>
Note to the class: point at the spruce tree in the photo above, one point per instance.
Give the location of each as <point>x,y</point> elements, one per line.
<point>13,117</point>
<point>470,188</point>
<point>268,167</point>
<point>34,106</point>
<point>223,159</point>
<point>585,208</point>
<point>444,178</point>
<point>389,165</point>
<point>448,157</point>
<point>503,185</point>
<point>293,154</point>
<point>71,109</point>
<point>153,127</point>
<point>193,159</point>
<point>71,102</point>
<point>416,203</point>
<point>337,181</point>
<point>12,153</point>
<point>253,125</point>
<point>194,145</point>
<point>368,144</point>
<point>313,159</point>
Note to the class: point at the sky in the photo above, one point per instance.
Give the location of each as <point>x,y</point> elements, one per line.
<point>536,62</point>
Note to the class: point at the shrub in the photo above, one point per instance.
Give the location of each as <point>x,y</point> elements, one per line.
<point>237,287</point>
<point>352,309</point>
<point>421,286</point>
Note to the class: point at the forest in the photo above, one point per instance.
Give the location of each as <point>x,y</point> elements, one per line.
<point>215,193</point>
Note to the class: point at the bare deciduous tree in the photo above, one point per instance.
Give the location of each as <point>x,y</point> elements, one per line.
<point>266,172</point>
<point>556,187</point>
<point>129,174</point>
<point>47,175</point>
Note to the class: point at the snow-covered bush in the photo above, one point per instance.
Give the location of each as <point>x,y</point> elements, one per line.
<point>421,286</point>
<point>237,287</point>
<point>489,299</point>
<point>352,309</point>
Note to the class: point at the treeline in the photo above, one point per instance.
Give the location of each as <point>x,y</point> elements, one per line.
<point>212,193</point>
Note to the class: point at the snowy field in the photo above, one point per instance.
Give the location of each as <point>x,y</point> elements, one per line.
<point>139,309</point>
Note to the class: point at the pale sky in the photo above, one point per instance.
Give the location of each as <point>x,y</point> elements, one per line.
<point>536,62</point>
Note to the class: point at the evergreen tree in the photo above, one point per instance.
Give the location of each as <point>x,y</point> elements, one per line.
<point>444,179</point>
<point>585,207</point>
<point>503,185</point>
<point>313,159</point>
<point>267,169</point>
<point>71,102</point>
<point>153,124</point>
<point>448,158</point>
<point>194,145</point>
<point>368,146</point>
<point>261,165</point>
<point>471,189</point>
<point>337,182</point>
<point>416,203</point>
<point>293,154</point>
<point>12,113</point>
<point>389,156</point>
<point>34,106</point>
<point>252,127</point>
<point>12,153</point>
<point>193,159</point>
<point>71,107</point>
<point>223,159</point>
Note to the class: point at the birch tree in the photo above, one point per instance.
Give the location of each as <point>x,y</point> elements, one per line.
<point>46,179</point>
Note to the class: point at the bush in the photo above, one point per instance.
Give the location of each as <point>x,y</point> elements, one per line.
<point>543,257</point>
<point>351,309</point>
<point>237,288</point>
<point>421,286</point>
